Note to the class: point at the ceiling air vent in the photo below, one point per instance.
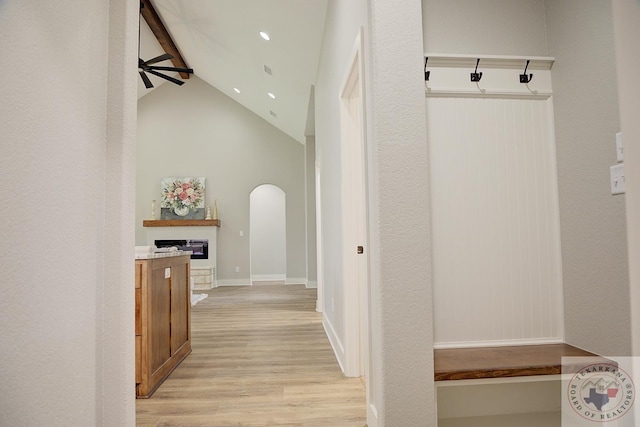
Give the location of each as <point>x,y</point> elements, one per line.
<point>273,114</point>
<point>268,70</point>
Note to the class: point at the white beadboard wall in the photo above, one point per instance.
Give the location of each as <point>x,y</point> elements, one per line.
<point>497,259</point>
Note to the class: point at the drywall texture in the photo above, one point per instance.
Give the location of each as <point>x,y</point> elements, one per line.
<point>594,248</point>
<point>195,130</point>
<point>118,317</point>
<point>498,27</point>
<point>65,132</point>
<point>401,276</point>
<point>626,22</point>
<point>400,382</point>
<point>310,183</point>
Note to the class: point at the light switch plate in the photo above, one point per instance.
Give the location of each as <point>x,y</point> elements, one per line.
<point>617,179</point>
<point>167,273</point>
<point>619,147</point>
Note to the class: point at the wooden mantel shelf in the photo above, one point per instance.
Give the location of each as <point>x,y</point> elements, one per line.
<point>181,223</point>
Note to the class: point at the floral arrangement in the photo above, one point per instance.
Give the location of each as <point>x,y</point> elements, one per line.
<point>180,193</point>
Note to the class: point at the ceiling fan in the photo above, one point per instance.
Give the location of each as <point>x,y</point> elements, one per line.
<point>148,67</point>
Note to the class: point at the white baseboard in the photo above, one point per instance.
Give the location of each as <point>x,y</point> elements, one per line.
<point>497,343</point>
<point>372,415</point>
<point>336,344</point>
<point>202,287</point>
<point>267,277</point>
<point>312,284</point>
<point>246,282</point>
<point>234,282</point>
<point>295,281</point>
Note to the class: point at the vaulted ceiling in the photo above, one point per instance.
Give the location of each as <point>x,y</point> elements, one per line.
<point>220,40</point>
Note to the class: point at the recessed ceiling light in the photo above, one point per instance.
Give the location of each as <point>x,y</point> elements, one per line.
<point>265,36</point>
<point>272,96</point>
<point>236,89</point>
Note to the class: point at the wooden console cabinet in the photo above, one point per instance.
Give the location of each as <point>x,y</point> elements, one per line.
<point>163,319</point>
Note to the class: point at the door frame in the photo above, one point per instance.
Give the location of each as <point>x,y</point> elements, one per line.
<point>319,244</point>
<point>355,228</point>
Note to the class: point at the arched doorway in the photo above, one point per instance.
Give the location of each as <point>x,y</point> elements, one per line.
<point>267,233</point>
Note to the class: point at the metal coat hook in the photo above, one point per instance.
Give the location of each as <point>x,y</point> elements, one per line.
<point>526,78</point>
<point>427,74</point>
<point>476,76</point>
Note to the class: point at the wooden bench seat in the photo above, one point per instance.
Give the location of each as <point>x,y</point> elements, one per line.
<point>502,362</point>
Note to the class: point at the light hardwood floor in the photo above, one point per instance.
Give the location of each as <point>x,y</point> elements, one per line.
<point>260,358</point>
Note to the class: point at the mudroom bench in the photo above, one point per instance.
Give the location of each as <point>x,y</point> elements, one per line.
<point>502,362</point>
<point>501,386</point>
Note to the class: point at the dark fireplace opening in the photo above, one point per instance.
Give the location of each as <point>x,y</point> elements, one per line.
<point>198,247</point>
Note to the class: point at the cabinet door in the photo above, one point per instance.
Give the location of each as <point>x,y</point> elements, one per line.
<point>159,317</point>
<point>180,306</point>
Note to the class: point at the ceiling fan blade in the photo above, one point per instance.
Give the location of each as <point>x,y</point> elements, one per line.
<point>159,59</point>
<point>176,69</point>
<point>171,79</point>
<point>145,79</point>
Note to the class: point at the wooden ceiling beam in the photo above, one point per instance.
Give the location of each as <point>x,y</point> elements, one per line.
<point>157,27</point>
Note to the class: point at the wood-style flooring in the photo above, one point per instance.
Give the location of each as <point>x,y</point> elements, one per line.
<point>260,358</point>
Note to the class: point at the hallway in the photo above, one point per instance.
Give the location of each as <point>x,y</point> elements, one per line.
<point>260,358</point>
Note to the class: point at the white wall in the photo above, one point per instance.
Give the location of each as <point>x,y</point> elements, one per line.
<point>496,228</point>
<point>488,246</point>
<point>343,21</point>
<point>400,386</point>
<point>626,20</point>
<point>579,35</point>
<point>401,279</point>
<point>594,249</point>
<point>195,130</point>
<point>268,233</point>
<point>66,303</point>
<point>499,27</point>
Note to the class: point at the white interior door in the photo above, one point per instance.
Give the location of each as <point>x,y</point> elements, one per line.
<point>355,226</point>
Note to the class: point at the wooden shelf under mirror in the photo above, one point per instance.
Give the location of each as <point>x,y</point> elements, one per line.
<point>181,223</point>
